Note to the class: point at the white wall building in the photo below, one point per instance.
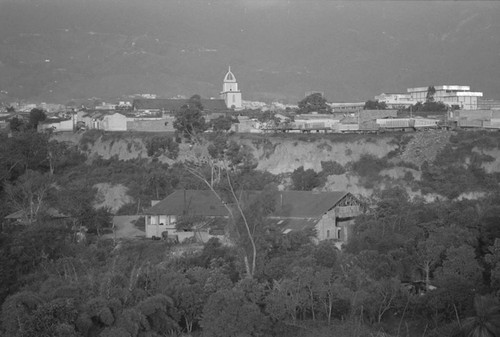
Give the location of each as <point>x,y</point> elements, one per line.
<point>396,100</point>
<point>448,94</point>
<point>56,125</point>
<point>230,92</point>
<point>114,122</point>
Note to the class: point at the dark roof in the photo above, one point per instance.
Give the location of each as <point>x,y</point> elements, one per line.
<point>306,204</point>
<point>289,204</point>
<point>175,104</point>
<point>190,202</point>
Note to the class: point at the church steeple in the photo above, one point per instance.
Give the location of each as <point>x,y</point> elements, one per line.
<point>230,92</point>
<point>229,76</point>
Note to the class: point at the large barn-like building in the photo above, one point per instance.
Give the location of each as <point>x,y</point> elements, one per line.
<point>330,214</point>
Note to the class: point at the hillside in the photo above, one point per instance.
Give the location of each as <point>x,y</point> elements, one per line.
<point>429,164</point>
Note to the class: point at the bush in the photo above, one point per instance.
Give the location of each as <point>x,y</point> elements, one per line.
<point>305,180</point>
<point>159,145</point>
<point>332,168</point>
<point>368,167</point>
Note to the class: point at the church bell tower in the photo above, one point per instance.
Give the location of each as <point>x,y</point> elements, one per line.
<point>230,92</point>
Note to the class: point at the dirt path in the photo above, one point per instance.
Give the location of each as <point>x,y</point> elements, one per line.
<point>124,228</point>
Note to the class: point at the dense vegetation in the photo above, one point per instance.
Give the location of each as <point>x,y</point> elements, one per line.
<point>53,284</point>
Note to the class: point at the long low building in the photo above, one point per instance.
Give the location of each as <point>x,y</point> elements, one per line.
<point>167,105</point>
<point>329,214</point>
<point>474,114</point>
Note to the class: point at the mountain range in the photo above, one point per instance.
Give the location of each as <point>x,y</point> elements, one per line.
<point>59,50</point>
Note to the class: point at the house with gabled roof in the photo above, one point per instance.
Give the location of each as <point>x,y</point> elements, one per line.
<point>330,214</point>
<point>199,205</point>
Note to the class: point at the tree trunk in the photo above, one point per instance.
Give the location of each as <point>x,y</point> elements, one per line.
<point>427,268</point>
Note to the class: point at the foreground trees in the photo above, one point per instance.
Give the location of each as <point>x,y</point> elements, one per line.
<point>139,288</point>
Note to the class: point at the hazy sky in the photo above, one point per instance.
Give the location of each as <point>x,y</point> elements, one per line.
<point>278,49</point>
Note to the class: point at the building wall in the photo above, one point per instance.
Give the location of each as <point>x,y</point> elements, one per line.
<point>487,104</point>
<point>66,125</point>
<point>396,100</point>
<point>232,99</point>
<point>152,125</point>
<point>474,114</point>
<point>326,228</point>
<point>157,224</point>
<point>337,223</point>
<point>114,122</point>
<point>230,86</point>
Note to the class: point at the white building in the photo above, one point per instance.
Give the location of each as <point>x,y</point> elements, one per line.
<point>114,122</point>
<point>230,92</point>
<point>448,94</point>
<point>56,125</point>
<point>396,100</point>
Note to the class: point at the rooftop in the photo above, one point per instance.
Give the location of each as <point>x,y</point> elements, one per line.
<point>168,104</point>
<point>289,204</point>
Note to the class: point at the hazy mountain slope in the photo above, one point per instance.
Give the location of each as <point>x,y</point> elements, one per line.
<point>57,50</point>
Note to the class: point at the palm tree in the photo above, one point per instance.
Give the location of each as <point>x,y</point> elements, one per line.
<point>486,323</point>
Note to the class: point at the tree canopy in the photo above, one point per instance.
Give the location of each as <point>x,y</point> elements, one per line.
<point>374,105</point>
<point>314,103</point>
<point>189,121</point>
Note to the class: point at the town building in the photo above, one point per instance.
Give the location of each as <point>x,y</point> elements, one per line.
<point>329,214</point>
<point>396,100</point>
<point>451,95</point>
<point>230,93</point>
<point>56,125</point>
<point>165,106</point>
<point>488,104</point>
<point>346,107</point>
<point>113,122</point>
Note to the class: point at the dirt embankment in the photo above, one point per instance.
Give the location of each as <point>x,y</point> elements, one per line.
<point>275,154</point>
<point>281,154</point>
<point>284,155</point>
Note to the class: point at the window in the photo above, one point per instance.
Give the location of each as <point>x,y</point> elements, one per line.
<point>327,233</point>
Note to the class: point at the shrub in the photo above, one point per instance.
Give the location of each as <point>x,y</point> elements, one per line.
<point>332,168</point>
<point>305,180</point>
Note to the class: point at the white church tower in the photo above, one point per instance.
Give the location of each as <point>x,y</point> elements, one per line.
<point>230,92</point>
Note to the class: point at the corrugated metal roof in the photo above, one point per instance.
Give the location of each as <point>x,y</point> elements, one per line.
<point>190,202</point>
<point>290,225</point>
<point>289,204</point>
<point>306,204</point>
